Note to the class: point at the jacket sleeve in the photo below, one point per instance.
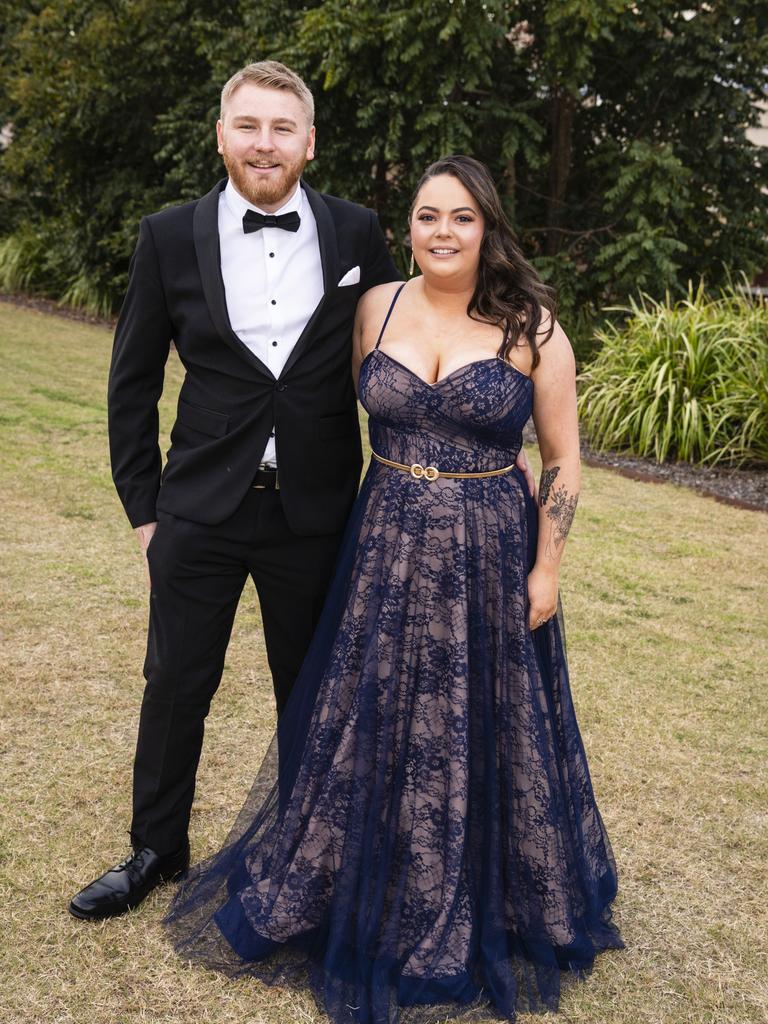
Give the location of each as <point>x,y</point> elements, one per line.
<point>379,267</point>
<point>142,342</point>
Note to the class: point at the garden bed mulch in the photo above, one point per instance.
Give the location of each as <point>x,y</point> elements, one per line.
<point>742,488</point>
<point>49,306</point>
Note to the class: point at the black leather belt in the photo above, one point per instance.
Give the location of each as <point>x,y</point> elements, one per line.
<point>266,479</point>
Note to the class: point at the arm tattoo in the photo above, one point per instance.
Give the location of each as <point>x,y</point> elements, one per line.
<point>561,512</point>
<point>547,479</point>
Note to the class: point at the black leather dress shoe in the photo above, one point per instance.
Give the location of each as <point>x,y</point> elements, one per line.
<point>125,885</point>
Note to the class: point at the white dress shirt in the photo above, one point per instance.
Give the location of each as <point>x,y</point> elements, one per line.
<point>273,280</point>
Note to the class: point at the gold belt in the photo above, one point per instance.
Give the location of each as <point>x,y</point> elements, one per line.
<point>419,472</point>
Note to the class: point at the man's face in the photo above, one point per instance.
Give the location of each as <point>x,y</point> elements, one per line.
<point>265,141</point>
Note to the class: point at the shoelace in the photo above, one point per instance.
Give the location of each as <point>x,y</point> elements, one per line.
<point>133,860</point>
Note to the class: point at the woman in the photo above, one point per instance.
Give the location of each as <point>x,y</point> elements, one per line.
<point>432,840</point>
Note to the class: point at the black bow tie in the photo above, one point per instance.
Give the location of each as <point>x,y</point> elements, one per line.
<point>253,221</point>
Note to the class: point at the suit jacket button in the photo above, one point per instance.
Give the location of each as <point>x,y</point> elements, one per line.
<point>280,387</point>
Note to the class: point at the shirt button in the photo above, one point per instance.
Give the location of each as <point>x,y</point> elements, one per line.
<point>274,302</point>
<point>272,255</point>
<point>274,344</point>
<point>272,434</point>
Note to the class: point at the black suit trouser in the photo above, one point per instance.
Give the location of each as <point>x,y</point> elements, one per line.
<point>197,575</point>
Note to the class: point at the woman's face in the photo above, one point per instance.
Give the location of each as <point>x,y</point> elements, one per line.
<point>446,230</point>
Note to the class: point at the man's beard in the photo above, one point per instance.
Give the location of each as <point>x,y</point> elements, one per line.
<point>269,190</point>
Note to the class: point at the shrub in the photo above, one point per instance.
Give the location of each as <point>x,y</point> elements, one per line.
<point>22,258</point>
<point>686,382</point>
<point>48,260</point>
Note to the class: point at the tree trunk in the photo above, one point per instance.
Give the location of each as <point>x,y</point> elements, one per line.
<point>380,185</point>
<point>561,112</point>
<point>509,185</point>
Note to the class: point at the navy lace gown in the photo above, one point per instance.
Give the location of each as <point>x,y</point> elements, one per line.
<point>431,840</point>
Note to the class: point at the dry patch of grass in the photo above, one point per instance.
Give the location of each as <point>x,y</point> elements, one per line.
<point>665,595</point>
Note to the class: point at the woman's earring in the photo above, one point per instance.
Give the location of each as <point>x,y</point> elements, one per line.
<point>412,265</point>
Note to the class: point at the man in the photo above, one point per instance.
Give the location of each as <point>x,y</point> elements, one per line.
<point>257,284</point>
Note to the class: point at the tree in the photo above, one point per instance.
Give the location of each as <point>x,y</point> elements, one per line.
<point>616,131</point>
<point>86,82</point>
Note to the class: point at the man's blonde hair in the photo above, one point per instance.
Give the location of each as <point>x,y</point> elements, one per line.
<point>270,74</point>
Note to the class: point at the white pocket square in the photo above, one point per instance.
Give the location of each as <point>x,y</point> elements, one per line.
<point>351,277</point>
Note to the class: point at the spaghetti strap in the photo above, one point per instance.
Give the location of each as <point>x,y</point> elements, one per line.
<point>389,313</point>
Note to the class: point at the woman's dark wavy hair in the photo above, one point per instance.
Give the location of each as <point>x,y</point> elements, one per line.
<point>509,292</point>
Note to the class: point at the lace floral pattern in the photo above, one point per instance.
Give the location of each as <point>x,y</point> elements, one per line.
<point>431,839</point>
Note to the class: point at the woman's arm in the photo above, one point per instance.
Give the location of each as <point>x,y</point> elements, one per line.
<point>357,340</point>
<point>557,429</point>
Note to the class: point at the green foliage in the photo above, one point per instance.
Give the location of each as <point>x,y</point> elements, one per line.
<point>615,131</point>
<point>22,260</point>
<point>84,82</point>
<point>651,186</point>
<point>687,381</point>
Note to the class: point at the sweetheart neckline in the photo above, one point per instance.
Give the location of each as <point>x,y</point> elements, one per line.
<point>459,369</point>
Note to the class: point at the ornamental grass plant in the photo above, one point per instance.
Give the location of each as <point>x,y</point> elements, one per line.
<point>685,381</point>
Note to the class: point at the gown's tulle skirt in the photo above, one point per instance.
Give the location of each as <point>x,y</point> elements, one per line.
<point>430,841</point>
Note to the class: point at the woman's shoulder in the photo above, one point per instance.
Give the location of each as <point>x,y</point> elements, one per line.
<point>372,309</point>
<point>379,296</point>
<point>550,329</point>
<point>555,353</point>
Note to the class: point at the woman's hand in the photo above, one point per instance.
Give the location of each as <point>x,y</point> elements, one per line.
<point>542,596</point>
<point>524,466</point>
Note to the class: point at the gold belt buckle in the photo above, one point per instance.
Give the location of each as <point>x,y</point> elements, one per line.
<point>419,472</point>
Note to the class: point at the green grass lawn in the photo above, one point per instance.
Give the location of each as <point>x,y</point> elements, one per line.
<point>665,596</point>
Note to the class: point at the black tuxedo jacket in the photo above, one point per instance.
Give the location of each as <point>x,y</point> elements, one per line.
<point>230,401</point>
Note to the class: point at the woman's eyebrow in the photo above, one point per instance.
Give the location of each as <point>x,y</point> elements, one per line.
<point>458,209</point>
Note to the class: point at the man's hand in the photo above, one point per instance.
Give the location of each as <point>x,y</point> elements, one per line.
<point>145,534</point>
<point>524,465</point>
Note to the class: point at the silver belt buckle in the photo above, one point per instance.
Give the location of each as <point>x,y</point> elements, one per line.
<point>263,468</point>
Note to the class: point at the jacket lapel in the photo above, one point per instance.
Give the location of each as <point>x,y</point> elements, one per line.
<point>329,258</point>
<point>205,229</point>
